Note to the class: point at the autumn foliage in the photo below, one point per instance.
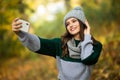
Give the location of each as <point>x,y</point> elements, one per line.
<point>18,63</point>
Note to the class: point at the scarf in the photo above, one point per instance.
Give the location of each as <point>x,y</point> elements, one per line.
<point>74,52</point>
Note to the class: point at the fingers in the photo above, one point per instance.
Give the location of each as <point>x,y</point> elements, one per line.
<point>87,30</point>
<point>87,24</point>
<point>16,19</point>
<point>16,25</point>
<point>16,28</point>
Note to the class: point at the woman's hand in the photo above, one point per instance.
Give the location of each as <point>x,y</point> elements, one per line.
<point>16,25</point>
<point>87,30</point>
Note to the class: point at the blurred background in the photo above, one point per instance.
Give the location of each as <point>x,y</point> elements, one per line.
<point>46,18</point>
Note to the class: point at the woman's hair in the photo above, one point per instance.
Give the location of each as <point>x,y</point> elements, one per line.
<point>67,36</point>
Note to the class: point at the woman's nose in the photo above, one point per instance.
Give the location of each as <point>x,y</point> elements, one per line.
<point>71,24</point>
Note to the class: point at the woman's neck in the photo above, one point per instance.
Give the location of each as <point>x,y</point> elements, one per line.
<point>77,37</point>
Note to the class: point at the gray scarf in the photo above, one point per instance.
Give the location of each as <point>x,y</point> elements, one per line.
<point>74,52</point>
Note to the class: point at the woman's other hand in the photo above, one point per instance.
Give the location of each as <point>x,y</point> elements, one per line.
<point>87,30</point>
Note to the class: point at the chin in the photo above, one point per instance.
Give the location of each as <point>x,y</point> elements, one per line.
<point>73,33</point>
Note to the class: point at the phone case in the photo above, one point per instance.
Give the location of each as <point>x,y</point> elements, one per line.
<point>25,25</point>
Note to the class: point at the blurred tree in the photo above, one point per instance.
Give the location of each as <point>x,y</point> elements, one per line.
<point>67,3</point>
<point>9,46</point>
<point>115,11</point>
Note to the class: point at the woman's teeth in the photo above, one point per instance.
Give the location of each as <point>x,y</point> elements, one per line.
<point>72,29</point>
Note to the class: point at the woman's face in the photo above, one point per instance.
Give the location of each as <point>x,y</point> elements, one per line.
<point>73,26</point>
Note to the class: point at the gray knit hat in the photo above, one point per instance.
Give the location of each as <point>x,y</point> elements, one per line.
<point>77,12</point>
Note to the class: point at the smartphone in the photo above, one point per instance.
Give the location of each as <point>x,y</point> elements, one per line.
<point>25,25</point>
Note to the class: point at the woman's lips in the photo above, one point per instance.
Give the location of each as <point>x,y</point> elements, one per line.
<point>72,29</point>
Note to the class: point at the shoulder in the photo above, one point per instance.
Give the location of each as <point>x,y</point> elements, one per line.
<point>97,44</point>
<point>50,40</point>
<point>56,39</point>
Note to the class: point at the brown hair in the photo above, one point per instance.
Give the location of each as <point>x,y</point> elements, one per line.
<point>67,36</point>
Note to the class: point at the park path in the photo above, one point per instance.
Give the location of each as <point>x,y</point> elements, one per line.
<point>42,68</point>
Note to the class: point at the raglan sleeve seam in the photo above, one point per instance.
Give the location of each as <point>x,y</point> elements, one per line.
<point>48,47</point>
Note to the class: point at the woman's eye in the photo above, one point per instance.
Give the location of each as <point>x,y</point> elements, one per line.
<point>67,24</point>
<point>74,21</point>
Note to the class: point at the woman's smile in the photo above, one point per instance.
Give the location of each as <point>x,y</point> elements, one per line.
<point>73,26</point>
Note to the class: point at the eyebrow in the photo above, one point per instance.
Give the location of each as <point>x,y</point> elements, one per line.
<point>71,19</point>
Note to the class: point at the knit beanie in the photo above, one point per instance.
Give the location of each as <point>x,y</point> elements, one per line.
<point>77,12</point>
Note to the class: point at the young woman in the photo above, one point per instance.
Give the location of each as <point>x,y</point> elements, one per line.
<point>76,51</point>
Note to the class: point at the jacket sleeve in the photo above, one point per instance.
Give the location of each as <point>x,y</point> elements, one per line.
<point>39,45</point>
<point>49,46</point>
<point>90,52</point>
<point>29,40</point>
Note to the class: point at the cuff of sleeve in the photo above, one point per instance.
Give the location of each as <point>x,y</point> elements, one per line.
<point>87,37</point>
<point>22,35</point>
